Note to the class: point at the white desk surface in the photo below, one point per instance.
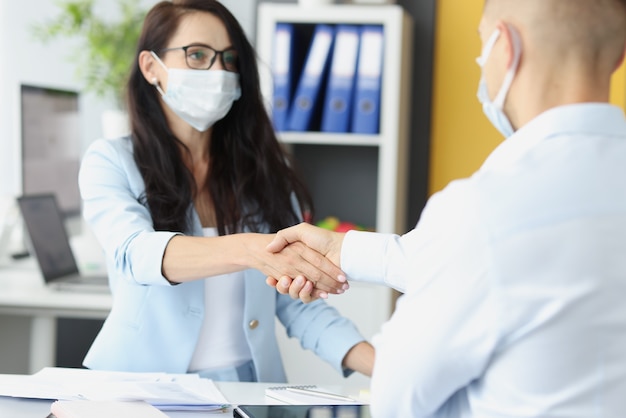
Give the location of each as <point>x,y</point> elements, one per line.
<point>237,393</point>
<point>24,293</point>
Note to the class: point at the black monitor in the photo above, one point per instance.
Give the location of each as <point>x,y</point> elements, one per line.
<point>51,145</point>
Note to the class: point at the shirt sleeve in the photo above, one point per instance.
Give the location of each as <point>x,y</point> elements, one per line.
<point>444,328</point>
<point>111,189</point>
<point>374,258</point>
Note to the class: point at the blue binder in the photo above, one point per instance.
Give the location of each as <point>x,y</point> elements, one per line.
<point>282,68</point>
<point>338,99</point>
<point>366,111</point>
<point>309,85</point>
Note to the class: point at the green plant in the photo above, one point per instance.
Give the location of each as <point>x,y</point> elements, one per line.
<point>106,47</point>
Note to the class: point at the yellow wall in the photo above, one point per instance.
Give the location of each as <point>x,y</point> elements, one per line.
<point>618,87</point>
<point>461,137</point>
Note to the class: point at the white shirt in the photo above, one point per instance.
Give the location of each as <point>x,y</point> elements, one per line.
<point>514,281</point>
<point>222,341</point>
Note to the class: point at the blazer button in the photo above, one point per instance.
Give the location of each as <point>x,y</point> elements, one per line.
<point>253,324</point>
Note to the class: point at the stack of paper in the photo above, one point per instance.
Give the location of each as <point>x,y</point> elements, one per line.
<point>308,395</point>
<point>104,409</point>
<point>162,390</point>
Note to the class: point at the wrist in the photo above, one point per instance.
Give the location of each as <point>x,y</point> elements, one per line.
<point>334,252</point>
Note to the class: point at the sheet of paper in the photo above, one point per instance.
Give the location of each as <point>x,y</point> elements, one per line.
<point>104,409</point>
<point>165,391</point>
<point>308,395</point>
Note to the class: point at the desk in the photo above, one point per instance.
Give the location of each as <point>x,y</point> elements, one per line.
<point>237,393</point>
<point>23,293</point>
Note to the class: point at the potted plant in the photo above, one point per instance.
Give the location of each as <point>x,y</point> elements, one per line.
<point>105,47</point>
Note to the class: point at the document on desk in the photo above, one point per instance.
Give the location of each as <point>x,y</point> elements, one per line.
<point>104,409</point>
<point>308,395</point>
<point>165,391</point>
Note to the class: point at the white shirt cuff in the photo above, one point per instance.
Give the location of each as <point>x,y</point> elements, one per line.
<point>363,256</point>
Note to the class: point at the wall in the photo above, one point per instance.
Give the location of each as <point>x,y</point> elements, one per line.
<point>618,87</point>
<point>26,60</point>
<point>245,12</point>
<point>461,136</point>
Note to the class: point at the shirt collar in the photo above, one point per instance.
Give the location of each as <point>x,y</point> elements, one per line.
<point>600,119</point>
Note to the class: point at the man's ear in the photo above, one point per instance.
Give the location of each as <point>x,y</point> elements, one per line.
<point>512,41</point>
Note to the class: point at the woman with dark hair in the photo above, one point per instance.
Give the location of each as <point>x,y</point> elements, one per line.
<point>184,207</point>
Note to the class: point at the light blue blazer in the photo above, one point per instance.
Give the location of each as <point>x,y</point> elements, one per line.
<point>154,326</point>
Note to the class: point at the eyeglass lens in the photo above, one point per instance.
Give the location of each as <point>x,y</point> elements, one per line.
<point>201,57</point>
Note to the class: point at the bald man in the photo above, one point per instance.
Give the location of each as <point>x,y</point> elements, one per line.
<point>515,278</point>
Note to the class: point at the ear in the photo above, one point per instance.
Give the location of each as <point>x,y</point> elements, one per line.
<point>511,42</point>
<point>147,66</point>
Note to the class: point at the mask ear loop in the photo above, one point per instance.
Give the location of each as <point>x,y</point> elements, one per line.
<point>508,78</point>
<point>156,84</point>
<point>484,54</point>
<point>154,80</point>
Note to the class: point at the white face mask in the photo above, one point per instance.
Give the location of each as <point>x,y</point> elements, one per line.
<point>494,109</point>
<point>199,97</point>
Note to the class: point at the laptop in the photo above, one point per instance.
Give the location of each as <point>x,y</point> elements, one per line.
<point>51,246</point>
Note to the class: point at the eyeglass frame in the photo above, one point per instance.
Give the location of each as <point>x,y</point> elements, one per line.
<point>217,52</point>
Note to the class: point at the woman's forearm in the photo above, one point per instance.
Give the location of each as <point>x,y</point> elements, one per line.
<point>360,358</point>
<point>189,258</point>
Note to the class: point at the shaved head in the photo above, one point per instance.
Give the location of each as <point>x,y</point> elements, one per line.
<point>592,30</point>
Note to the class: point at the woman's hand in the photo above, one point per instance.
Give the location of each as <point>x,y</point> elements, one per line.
<point>298,288</point>
<point>312,274</point>
<point>324,242</point>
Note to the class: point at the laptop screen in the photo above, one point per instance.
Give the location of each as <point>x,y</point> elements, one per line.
<point>48,236</point>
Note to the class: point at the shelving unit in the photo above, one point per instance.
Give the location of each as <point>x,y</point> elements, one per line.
<point>355,177</point>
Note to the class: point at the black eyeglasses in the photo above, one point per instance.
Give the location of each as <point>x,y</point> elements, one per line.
<point>202,57</point>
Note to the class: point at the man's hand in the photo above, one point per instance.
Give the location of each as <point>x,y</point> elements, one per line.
<point>295,260</point>
<point>324,242</point>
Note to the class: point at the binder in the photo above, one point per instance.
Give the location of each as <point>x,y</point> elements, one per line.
<point>338,98</point>
<point>307,93</point>
<point>282,69</point>
<point>366,112</point>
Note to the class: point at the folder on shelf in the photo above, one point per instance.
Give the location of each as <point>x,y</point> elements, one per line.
<point>282,69</point>
<point>310,83</point>
<point>366,110</point>
<point>338,99</point>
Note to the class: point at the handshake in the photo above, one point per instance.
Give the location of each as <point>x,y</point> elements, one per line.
<point>315,254</point>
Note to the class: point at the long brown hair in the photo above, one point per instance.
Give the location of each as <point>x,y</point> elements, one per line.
<point>251,178</point>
